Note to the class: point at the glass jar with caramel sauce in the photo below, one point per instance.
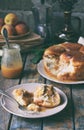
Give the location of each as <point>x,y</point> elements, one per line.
<point>11,63</point>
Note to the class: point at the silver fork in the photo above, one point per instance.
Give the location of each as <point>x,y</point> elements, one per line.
<point>16,103</point>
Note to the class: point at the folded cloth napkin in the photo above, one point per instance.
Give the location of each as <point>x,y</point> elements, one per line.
<point>81,40</point>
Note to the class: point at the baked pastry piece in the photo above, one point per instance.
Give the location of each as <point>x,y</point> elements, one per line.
<point>65,61</point>
<point>71,46</point>
<point>46,96</point>
<point>82,49</point>
<point>33,107</point>
<point>22,96</point>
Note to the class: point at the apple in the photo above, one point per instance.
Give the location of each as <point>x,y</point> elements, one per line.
<point>11,18</point>
<point>0,28</point>
<point>21,28</point>
<point>10,29</point>
<point>1,23</point>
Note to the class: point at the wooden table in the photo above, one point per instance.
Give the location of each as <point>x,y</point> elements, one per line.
<point>71,118</point>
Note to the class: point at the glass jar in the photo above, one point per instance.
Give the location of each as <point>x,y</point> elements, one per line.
<point>11,63</point>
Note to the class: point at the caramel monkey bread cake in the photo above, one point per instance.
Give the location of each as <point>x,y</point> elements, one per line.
<point>46,96</point>
<point>65,61</point>
<point>22,96</point>
<point>43,96</point>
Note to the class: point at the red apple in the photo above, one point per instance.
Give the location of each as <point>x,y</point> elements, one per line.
<point>1,21</point>
<point>0,28</point>
<point>21,28</point>
<point>10,29</point>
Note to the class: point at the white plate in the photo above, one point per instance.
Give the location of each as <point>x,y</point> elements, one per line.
<point>12,108</point>
<point>42,72</point>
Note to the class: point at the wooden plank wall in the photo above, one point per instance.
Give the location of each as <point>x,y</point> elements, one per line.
<point>22,6</point>
<point>16,4</point>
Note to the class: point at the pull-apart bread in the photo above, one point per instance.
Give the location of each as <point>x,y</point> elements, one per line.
<point>65,61</point>
<point>22,96</point>
<point>43,96</point>
<point>46,96</point>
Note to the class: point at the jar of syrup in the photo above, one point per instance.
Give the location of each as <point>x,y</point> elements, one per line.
<point>11,63</point>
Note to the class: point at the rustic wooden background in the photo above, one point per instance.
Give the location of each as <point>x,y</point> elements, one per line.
<point>24,10</point>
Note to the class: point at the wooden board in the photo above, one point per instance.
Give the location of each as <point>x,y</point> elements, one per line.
<point>78,98</point>
<point>25,42</point>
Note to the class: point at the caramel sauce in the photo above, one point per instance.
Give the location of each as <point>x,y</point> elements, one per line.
<point>11,72</point>
<point>43,109</point>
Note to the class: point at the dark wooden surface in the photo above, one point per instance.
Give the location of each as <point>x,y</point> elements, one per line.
<point>71,118</point>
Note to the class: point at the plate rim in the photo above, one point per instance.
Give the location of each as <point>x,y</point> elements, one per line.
<point>15,37</point>
<point>26,116</point>
<point>42,73</point>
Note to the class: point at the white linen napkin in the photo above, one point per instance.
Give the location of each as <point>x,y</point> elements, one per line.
<point>81,40</point>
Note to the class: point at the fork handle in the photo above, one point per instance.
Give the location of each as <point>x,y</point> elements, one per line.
<point>8,96</point>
